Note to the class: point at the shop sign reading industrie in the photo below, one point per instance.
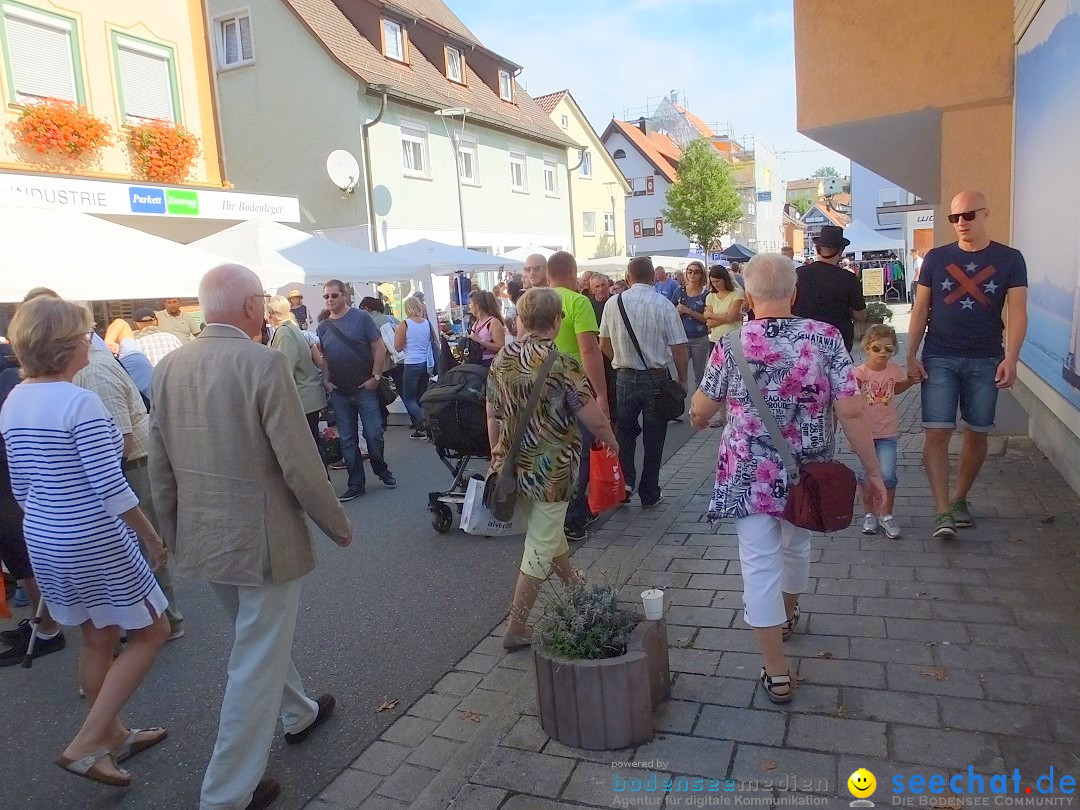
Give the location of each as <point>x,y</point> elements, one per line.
<point>100,197</point>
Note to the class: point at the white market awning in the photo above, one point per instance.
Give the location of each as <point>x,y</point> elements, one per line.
<point>444,260</point>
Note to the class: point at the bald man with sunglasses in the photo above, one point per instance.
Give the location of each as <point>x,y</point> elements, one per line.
<point>964,287</point>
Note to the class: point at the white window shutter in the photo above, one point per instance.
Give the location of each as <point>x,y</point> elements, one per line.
<point>146,81</point>
<point>41,60</point>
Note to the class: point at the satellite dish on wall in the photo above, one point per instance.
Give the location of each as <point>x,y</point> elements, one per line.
<point>343,169</point>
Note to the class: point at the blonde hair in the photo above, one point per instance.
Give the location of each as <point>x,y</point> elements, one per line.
<point>538,308</point>
<point>46,332</point>
<point>414,307</point>
<point>280,308</point>
<point>876,332</point>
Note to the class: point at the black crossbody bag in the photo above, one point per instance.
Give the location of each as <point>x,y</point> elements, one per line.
<point>386,392</point>
<point>669,398</point>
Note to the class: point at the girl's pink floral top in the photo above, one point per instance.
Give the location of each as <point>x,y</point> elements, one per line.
<point>801,366</point>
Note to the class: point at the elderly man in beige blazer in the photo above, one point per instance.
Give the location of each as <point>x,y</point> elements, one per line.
<point>234,471</point>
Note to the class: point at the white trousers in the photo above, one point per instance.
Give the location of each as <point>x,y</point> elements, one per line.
<point>262,681</point>
<point>775,559</point>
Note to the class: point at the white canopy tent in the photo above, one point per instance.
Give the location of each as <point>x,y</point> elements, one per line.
<point>611,265</point>
<point>863,239</point>
<point>525,251</point>
<point>85,258</point>
<point>282,256</point>
<point>444,260</point>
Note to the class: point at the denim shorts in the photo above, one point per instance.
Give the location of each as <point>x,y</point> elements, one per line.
<point>886,456</point>
<point>967,382</point>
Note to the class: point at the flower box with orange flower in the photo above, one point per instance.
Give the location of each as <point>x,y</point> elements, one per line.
<point>55,126</point>
<point>162,151</point>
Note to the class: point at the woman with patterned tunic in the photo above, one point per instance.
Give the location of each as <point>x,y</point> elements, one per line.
<point>83,528</point>
<point>547,463</point>
<point>806,376</point>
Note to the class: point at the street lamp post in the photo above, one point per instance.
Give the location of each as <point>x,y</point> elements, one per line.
<point>455,144</point>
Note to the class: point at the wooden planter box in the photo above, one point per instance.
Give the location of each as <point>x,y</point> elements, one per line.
<point>608,703</point>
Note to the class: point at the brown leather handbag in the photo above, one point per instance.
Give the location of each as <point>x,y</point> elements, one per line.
<point>821,494</point>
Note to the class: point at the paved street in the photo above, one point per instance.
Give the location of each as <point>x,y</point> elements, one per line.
<point>916,657</point>
<point>386,617</point>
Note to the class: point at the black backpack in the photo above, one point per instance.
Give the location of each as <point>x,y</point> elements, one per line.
<point>454,409</point>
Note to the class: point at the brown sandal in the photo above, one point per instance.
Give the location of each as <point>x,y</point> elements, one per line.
<point>132,746</point>
<point>87,767</point>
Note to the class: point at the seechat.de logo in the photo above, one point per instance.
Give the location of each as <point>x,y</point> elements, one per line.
<point>146,200</point>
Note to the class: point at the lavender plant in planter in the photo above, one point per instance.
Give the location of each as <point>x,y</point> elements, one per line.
<point>601,671</point>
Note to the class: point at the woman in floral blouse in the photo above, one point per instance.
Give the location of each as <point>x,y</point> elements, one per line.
<point>806,376</point>
<point>547,463</point>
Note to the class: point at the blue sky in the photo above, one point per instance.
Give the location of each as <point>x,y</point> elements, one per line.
<point>732,60</point>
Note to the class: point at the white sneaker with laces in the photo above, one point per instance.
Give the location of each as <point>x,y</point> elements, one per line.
<point>888,523</point>
<point>869,524</point>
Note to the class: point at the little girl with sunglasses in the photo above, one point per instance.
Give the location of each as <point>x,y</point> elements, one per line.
<point>880,380</point>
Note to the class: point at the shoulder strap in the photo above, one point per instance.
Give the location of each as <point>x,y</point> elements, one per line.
<point>754,390</point>
<point>352,344</point>
<point>630,330</point>
<point>530,406</point>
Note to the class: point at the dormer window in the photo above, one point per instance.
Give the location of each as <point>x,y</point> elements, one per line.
<point>393,40</point>
<point>506,85</point>
<point>455,68</point>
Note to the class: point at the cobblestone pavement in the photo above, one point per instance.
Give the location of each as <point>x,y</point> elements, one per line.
<point>916,657</point>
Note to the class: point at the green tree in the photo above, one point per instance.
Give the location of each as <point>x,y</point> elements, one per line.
<point>826,171</point>
<point>802,204</point>
<point>703,203</point>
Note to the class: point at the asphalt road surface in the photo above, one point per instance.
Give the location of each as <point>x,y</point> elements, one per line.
<point>384,618</point>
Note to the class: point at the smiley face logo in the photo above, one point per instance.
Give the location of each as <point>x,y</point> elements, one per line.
<point>862,783</point>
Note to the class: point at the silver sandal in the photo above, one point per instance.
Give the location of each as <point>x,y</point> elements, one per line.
<point>789,625</point>
<point>772,681</point>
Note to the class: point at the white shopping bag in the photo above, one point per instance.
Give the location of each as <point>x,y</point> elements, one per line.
<point>477,518</point>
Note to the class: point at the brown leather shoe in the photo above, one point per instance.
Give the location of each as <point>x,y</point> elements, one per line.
<point>326,708</point>
<point>266,792</point>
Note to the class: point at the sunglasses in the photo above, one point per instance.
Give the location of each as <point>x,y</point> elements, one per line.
<point>967,215</point>
<point>328,296</point>
<point>887,349</point>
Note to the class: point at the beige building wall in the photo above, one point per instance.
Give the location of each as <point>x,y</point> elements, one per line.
<point>177,24</point>
<point>603,193</point>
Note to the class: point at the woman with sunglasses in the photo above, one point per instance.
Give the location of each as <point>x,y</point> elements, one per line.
<point>724,304</point>
<point>690,301</point>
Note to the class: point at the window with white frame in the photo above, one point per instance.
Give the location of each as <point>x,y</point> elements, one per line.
<point>564,121</point>
<point>455,70</point>
<point>467,161</point>
<point>551,183</point>
<point>586,164</point>
<point>588,223</point>
<point>888,196</point>
<point>147,79</point>
<point>234,40</point>
<point>43,55</point>
<point>519,178</point>
<point>414,152</point>
<point>393,40</point>
<point>506,85</point>
<point>609,223</point>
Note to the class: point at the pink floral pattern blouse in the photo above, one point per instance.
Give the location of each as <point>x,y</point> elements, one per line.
<point>802,366</point>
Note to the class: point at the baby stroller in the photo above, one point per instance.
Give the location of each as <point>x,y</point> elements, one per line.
<point>454,409</point>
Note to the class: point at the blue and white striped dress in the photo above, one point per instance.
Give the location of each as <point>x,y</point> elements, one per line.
<point>65,454</point>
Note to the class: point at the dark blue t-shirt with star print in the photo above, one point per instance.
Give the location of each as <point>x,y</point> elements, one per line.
<point>967,296</point>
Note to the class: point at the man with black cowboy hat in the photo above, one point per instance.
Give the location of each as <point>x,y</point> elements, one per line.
<point>825,291</point>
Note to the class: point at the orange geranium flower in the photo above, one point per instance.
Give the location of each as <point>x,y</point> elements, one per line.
<point>162,151</point>
<point>55,125</point>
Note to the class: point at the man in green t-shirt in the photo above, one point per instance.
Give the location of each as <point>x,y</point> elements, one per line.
<point>578,338</point>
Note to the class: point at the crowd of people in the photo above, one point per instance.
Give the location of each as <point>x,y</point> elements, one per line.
<point>145,478</point>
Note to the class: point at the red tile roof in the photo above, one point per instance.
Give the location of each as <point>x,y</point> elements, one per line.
<point>662,152</point>
<point>835,216</point>
<point>421,82</point>
<point>547,103</point>
<point>695,122</point>
<point>812,182</point>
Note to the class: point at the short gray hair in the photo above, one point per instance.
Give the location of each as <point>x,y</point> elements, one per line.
<point>770,277</point>
<point>224,291</point>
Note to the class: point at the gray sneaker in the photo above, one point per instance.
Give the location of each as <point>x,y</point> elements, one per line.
<point>961,512</point>
<point>945,528</point>
<point>888,525</point>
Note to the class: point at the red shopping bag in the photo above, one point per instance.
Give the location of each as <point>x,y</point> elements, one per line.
<point>606,483</point>
<point>4,612</point>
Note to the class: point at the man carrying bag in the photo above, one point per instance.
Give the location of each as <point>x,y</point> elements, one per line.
<point>641,332</point>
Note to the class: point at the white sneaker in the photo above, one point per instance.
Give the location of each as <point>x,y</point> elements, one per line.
<point>869,524</point>
<point>888,523</point>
